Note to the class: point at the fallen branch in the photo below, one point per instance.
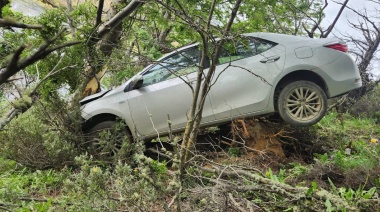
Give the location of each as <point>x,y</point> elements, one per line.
<point>235,204</point>
<point>287,191</point>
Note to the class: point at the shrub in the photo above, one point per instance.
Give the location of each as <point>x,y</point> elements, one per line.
<point>45,136</point>
<point>368,105</point>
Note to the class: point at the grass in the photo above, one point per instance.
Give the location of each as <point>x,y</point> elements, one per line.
<point>91,187</point>
<point>23,189</point>
<point>345,130</point>
<point>351,139</point>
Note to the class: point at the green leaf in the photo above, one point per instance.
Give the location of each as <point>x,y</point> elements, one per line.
<point>349,194</point>
<point>311,189</point>
<point>333,188</point>
<point>368,194</point>
<point>328,205</point>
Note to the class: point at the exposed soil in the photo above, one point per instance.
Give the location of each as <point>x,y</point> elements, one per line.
<point>267,143</point>
<point>260,143</point>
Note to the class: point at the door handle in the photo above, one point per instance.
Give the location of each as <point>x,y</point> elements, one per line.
<point>270,59</point>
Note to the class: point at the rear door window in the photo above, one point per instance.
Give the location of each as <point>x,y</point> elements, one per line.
<point>242,48</point>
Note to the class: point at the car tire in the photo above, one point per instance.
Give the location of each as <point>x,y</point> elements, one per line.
<point>302,103</point>
<point>105,139</point>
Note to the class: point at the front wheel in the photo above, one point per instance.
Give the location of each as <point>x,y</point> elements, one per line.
<point>302,103</point>
<point>105,139</point>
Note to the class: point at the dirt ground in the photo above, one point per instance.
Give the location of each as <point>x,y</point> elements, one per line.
<point>266,143</point>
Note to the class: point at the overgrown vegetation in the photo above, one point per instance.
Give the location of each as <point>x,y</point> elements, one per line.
<point>47,136</point>
<point>256,164</point>
<point>53,174</point>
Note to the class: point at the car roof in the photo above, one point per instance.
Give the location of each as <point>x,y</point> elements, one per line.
<point>278,38</point>
<point>274,37</point>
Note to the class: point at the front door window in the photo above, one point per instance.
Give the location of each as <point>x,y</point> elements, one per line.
<point>176,65</point>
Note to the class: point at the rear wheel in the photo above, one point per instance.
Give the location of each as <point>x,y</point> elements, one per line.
<point>302,103</point>
<point>105,139</point>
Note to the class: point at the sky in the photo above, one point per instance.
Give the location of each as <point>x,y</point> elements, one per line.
<point>342,25</point>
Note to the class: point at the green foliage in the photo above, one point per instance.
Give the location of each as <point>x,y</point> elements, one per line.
<point>353,141</point>
<point>279,16</point>
<point>159,167</point>
<point>17,183</point>
<point>312,189</point>
<point>8,13</point>
<point>279,177</point>
<point>323,158</point>
<point>7,165</point>
<point>329,207</point>
<point>234,151</point>
<point>22,103</point>
<point>49,134</point>
<point>45,136</point>
<point>351,195</point>
<point>131,187</point>
<point>87,187</point>
<point>296,170</point>
<point>367,106</point>
<point>364,158</point>
<point>83,17</point>
<point>52,21</point>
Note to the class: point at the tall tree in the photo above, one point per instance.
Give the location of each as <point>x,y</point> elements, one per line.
<point>366,49</point>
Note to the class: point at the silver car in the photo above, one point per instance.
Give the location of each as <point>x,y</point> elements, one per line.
<point>259,73</point>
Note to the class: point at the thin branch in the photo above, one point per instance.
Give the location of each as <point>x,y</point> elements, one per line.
<point>331,27</point>
<point>99,13</point>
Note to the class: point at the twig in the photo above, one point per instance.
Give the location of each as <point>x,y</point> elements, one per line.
<point>237,205</point>
<point>155,129</point>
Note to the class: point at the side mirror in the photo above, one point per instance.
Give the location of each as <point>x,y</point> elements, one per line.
<point>135,83</point>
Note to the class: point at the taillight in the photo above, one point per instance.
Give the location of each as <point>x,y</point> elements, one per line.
<point>338,46</point>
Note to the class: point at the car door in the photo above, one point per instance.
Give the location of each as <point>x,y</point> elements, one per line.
<point>166,91</point>
<point>246,71</point>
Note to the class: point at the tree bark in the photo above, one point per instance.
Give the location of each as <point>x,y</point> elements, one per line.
<point>8,23</point>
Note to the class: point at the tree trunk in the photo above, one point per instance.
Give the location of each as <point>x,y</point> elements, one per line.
<point>195,117</point>
<point>105,39</point>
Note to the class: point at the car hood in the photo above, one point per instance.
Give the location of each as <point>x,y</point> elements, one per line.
<point>93,97</point>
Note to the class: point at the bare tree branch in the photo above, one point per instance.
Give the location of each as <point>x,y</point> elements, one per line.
<point>331,27</point>
<point>115,20</point>
<point>8,23</point>
<point>99,13</point>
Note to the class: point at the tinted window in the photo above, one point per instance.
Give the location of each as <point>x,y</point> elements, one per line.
<point>182,63</point>
<point>243,48</point>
